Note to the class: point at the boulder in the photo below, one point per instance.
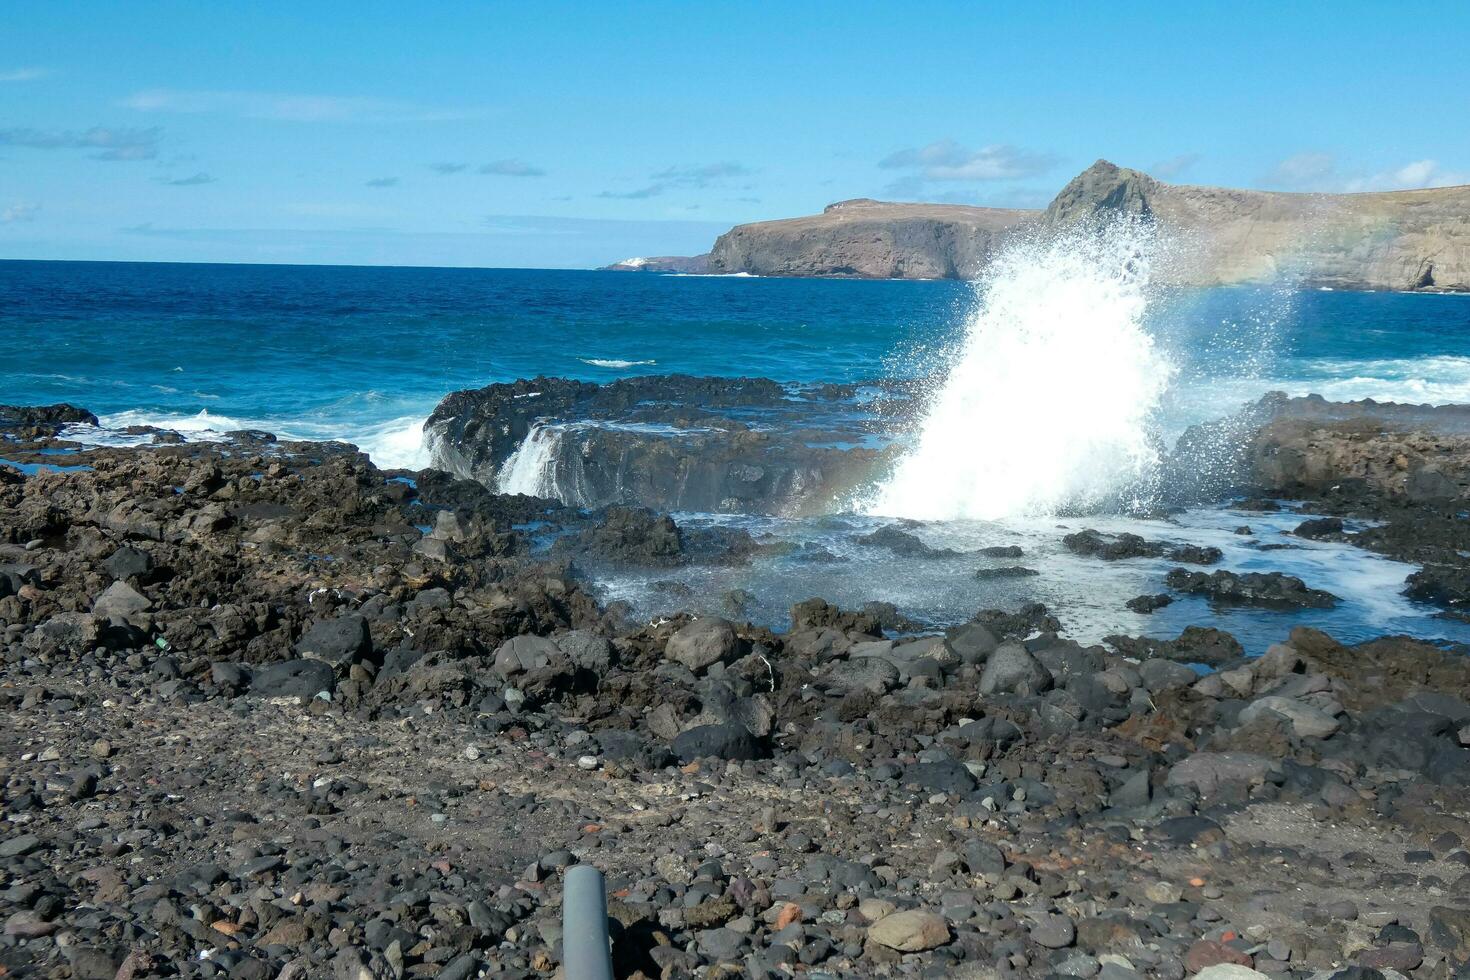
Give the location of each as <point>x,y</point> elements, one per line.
<point>703,643</point>
<point>534,664</point>
<point>1165,675</point>
<point>972,642</point>
<point>1207,772</point>
<point>913,931</point>
<point>120,600</point>
<point>729,740</point>
<point>1306,721</point>
<point>1012,670</point>
<point>128,562</point>
<point>341,641</point>
<point>293,678</point>
<point>946,776</point>
<point>587,650</point>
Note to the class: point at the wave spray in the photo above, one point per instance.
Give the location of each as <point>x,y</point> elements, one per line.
<point>1049,401</point>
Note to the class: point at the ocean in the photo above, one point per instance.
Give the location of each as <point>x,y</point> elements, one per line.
<point>364,354</point>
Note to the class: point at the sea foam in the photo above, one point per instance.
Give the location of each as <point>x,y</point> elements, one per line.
<point>396,443</point>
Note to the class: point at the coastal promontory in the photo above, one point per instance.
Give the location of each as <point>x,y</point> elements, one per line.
<point>870,240</point>
<point>1391,240</point>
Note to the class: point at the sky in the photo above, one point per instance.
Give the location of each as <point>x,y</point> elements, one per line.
<point>575,134</point>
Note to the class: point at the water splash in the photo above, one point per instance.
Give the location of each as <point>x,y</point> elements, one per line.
<point>1050,398</point>
<point>531,469</point>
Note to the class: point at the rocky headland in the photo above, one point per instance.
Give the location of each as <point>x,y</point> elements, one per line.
<point>870,240</point>
<point>272,712</point>
<point>693,264</point>
<point>1396,240</point>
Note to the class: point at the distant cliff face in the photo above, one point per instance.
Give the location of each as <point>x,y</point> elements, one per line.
<point>1398,240</point>
<point>871,240</point>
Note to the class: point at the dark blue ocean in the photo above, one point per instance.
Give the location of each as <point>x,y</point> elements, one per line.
<point>364,354</point>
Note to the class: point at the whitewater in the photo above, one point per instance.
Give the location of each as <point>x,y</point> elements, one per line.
<point>1052,396</point>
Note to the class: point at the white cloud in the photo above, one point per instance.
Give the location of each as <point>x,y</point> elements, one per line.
<point>193,180</point>
<point>1174,166</point>
<point>23,74</point>
<point>1411,176</point>
<point>1302,171</point>
<point>110,143</point>
<point>948,160</point>
<point>292,107</point>
<point>19,212</point>
<point>674,178</point>
<point>511,168</point>
<point>1319,172</point>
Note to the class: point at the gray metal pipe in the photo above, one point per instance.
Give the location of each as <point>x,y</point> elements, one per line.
<point>586,951</point>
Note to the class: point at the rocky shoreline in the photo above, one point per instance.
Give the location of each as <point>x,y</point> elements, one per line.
<point>270,712</point>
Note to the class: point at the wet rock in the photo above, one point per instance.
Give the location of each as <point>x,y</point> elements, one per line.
<point>1319,528</point>
<point>1146,604</point>
<point>1005,572</point>
<point>904,544</point>
<point>1111,547</point>
<point>1193,554</point>
<point>1251,588</point>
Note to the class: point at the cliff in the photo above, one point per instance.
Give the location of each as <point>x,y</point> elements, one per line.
<point>1397,240</point>
<point>870,239</point>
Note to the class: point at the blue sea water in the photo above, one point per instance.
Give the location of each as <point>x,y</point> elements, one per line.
<point>364,354</point>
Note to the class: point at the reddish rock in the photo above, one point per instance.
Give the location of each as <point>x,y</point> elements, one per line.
<point>1208,952</point>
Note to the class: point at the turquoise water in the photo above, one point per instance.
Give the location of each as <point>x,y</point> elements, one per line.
<point>364,354</point>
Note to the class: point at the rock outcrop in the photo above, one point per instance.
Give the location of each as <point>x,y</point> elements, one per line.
<point>1394,240</point>
<point>1308,447</point>
<point>673,443</point>
<point>870,240</point>
<point>661,263</point>
<point>1397,240</point>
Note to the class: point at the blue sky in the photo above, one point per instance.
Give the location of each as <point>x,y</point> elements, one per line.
<point>573,134</point>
